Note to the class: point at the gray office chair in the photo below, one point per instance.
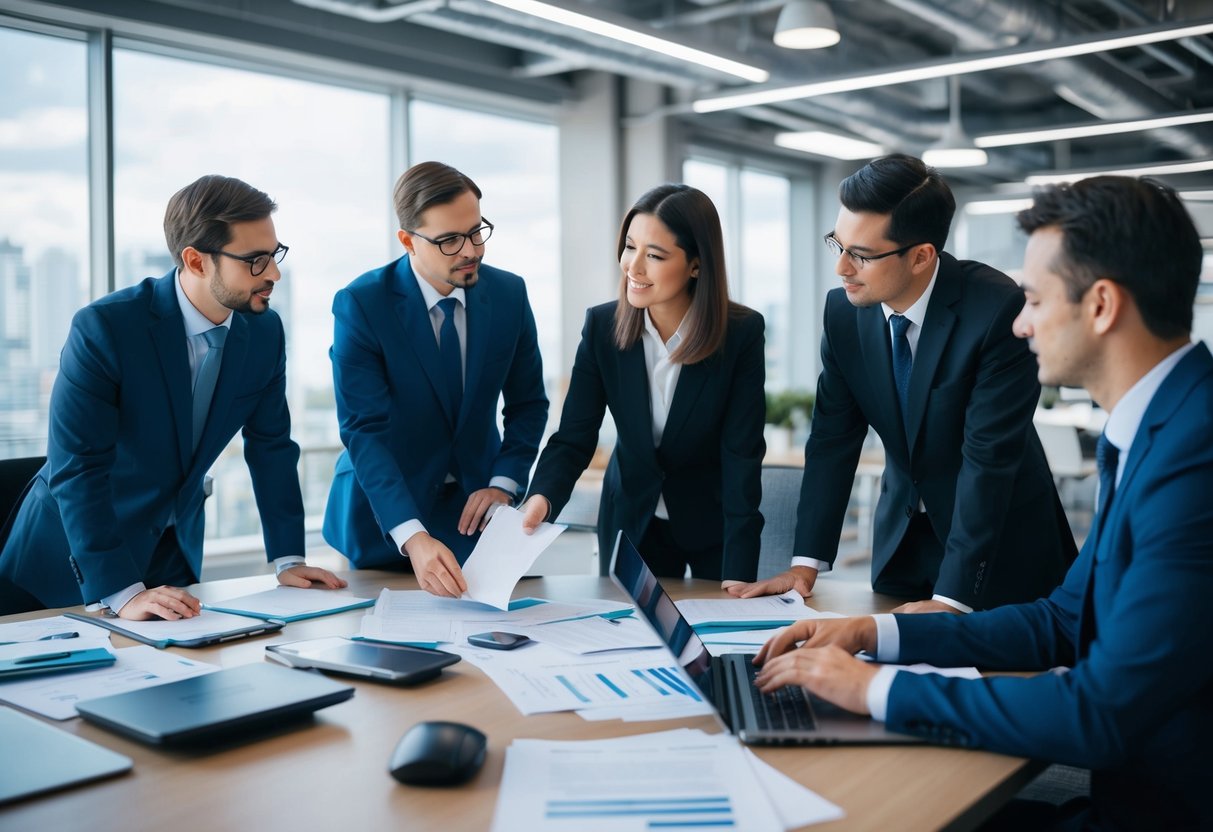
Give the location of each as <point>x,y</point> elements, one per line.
<point>16,475</point>
<point>780,496</point>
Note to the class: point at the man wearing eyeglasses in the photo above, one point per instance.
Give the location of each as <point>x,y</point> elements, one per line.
<point>918,345</point>
<point>423,350</point>
<point>153,383</point>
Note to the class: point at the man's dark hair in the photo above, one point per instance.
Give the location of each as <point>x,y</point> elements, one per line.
<point>427,184</point>
<point>1135,232</point>
<point>201,213</point>
<point>919,203</point>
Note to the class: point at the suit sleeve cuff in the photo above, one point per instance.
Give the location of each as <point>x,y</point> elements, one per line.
<point>401,534</point>
<point>888,638</point>
<point>505,484</point>
<point>878,692</point>
<point>119,599</point>
<point>284,563</point>
<point>943,599</point>
<point>813,563</point>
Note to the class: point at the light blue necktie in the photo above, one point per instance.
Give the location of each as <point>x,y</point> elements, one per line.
<point>903,361</point>
<point>208,374</point>
<point>452,355</point>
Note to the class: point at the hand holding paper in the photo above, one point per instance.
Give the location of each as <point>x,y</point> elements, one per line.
<point>503,555</point>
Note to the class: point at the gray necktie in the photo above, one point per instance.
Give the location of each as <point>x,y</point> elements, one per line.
<point>208,374</point>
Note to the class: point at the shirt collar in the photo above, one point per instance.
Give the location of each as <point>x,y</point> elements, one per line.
<point>917,313</point>
<point>1125,418</point>
<point>431,296</point>
<point>195,322</point>
<point>675,339</point>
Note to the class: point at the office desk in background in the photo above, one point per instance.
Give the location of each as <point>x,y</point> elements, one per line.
<point>332,772</point>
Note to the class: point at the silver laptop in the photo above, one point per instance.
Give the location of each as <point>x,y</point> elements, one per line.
<point>788,716</point>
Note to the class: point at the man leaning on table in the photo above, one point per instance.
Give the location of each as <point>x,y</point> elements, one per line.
<point>918,345</point>
<point>1111,271</point>
<point>154,380</point>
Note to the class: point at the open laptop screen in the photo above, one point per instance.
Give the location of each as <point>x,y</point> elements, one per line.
<point>635,578</point>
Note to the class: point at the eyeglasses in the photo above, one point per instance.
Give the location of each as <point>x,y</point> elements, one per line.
<point>257,263</point>
<point>452,244</point>
<point>861,260</point>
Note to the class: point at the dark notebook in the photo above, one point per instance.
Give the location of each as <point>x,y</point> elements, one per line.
<point>203,708</point>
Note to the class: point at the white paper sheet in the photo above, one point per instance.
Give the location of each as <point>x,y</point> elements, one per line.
<point>654,712</point>
<point>796,805</point>
<point>593,635</point>
<point>629,784</point>
<point>503,555</point>
<point>787,607</point>
<point>204,624</point>
<point>737,641</point>
<point>36,628</point>
<point>55,696</point>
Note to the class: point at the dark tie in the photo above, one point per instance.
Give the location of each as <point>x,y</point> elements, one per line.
<point>1107,459</point>
<point>903,361</point>
<point>452,355</point>
<point>208,374</point>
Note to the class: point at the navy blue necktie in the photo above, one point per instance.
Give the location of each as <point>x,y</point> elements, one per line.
<point>903,361</point>
<point>1107,459</point>
<point>208,374</point>
<point>452,355</point>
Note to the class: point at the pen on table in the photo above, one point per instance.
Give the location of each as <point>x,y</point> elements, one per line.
<point>44,657</point>
<point>51,637</point>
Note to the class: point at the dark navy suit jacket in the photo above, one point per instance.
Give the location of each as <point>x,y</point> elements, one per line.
<point>119,462</point>
<point>709,463</point>
<point>967,448</point>
<point>1134,621</point>
<point>400,438</point>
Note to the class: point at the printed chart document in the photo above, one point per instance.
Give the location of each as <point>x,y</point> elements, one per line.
<point>503,555</point>
<point>676,779</point>
<point>748,613</point>
<point>137,667</point>
<point>593,635</point>
<point>292,603</point>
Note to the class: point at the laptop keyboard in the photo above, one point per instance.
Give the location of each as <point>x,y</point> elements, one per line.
<point>786,709</point>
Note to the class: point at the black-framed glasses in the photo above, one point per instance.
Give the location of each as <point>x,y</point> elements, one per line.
<point>257,263</point>
<point>452,244</point>
<point>860,260</point>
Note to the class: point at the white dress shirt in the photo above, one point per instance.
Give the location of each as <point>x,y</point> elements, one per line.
<point>663,381</point>
<point>196,348</point>
<point>1121,428</point>
<point>401,533</point>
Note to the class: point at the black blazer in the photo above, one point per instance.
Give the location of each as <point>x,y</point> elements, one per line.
<point>968,449</point>
<point>709,463</point>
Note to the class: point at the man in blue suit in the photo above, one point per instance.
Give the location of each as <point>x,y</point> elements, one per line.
<point>153,382</point>
<point>423,348</point>
<point>1110,272</point>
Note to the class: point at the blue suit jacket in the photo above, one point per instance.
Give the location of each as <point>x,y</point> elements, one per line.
<point>1134,621</point>
<point>709,463</point>
<point>400,439</point>
<point>119,462</point>
<point>966,449</point>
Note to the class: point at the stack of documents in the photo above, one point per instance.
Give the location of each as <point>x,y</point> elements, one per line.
<point>762,613</point>
<point>674,779</point>
<point>419,618</point>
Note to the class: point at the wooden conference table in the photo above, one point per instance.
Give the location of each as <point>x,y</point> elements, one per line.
<point>332,772</point>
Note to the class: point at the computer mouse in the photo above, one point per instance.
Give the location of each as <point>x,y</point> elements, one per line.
<point>438,754</point>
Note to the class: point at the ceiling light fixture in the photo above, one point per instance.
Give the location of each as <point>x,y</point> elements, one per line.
<point>806,24</point>
<point>833,145</point>
<point>999,59</point>
<point>987,207</point>
<point>955,149</point>
<point>626,34</point>
<point>1197,196</point>
<point>1098,128</point>
<point>1161,169</point>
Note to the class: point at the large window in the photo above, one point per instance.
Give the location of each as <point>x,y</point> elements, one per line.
<point>755,210</point>
<point>44,273</point>
<point>514,163</point>
<point>321,152</point>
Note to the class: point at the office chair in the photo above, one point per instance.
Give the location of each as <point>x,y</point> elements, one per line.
<point>16,475</point>
<point>780,497</point>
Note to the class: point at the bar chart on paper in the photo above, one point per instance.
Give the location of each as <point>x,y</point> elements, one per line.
<point>653,813</point>
<point>591,688</point>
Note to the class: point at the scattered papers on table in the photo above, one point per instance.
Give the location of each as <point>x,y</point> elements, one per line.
<point>673,779</point>
<point>502,556</point>
<point>748,613</point>
<point>38,629</point>
<point>738,641</point>
<point>292,603</point>
<point>137,667</point>
<point>593,635</point>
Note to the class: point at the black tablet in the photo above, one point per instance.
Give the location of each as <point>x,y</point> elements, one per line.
<point>395,663</point>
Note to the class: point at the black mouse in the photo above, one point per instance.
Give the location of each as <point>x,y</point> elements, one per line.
<point>438,754</point>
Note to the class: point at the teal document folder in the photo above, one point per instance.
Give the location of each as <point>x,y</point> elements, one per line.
<point>55,661</point>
